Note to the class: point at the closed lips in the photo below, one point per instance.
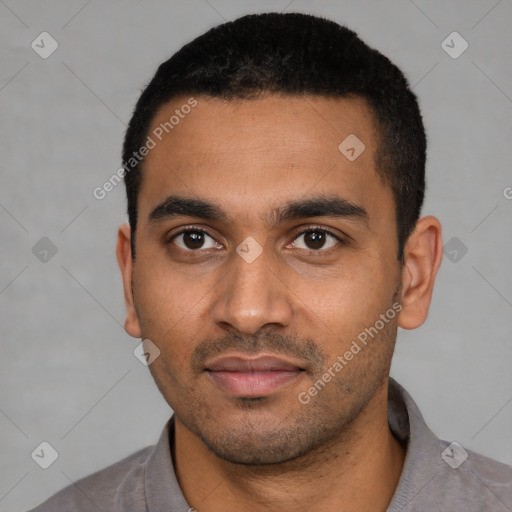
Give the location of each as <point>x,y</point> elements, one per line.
<point>244,365</point>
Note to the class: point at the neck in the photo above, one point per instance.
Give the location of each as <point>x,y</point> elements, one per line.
<point>358,471</point>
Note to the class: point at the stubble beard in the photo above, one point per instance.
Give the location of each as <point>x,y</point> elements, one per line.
<point>307,431</point>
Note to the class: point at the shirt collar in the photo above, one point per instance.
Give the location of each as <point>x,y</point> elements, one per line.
<point>423,460</point>
<point>161,486</point>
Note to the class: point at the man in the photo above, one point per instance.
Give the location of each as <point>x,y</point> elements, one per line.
<point>274,247</point>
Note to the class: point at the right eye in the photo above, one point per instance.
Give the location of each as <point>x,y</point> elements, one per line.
<point>193,240</point>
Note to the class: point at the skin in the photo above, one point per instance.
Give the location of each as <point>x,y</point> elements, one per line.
<point>300,300</point>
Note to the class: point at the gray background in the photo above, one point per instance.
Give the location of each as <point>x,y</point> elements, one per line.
<point>68,375</point>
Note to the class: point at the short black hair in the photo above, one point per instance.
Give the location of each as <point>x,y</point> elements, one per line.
<point>293,54</point>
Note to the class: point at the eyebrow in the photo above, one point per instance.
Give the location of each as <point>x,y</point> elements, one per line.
<point>318,206</point>
<point>177,206</point>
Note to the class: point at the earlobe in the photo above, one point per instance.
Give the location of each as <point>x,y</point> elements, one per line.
<point>125,261</point>
<point>422,258</point>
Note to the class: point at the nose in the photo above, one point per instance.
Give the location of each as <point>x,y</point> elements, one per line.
<point>252,295</point>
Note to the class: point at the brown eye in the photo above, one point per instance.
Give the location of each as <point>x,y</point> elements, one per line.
<point>191,240</point>
<point>316,239</point>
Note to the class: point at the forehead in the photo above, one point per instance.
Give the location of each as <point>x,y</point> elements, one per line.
<point>248,154</point>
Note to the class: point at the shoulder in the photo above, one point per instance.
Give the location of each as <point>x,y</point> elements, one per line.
<point>478,479</point>
<point>442,475</point>
<point>111,488</point>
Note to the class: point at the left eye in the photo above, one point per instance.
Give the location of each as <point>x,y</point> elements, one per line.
<point>315,239</point>
<point>194,239</point>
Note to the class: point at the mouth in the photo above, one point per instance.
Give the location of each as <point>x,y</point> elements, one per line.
<point>243,376</point>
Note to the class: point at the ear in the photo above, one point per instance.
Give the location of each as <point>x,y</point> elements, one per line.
<point>124,258</point>
<point>423,254</point>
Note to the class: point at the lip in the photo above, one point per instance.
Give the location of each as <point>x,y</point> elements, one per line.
<point>245,364</point>
<point>244,376</point>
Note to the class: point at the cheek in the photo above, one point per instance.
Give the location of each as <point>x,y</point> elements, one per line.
<point>169,309</point>
<point>352,299</point>
<point>357,281</point>
<point>164,294</point>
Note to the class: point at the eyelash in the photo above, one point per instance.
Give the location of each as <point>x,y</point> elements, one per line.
<point>317,229</point>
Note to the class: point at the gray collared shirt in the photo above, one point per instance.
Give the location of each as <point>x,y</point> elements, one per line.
<point>437,475</point>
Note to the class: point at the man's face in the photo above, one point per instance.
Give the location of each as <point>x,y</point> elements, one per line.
<point>251,306</point>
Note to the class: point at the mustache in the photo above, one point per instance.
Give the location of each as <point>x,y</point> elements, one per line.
<point>269,341</point>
